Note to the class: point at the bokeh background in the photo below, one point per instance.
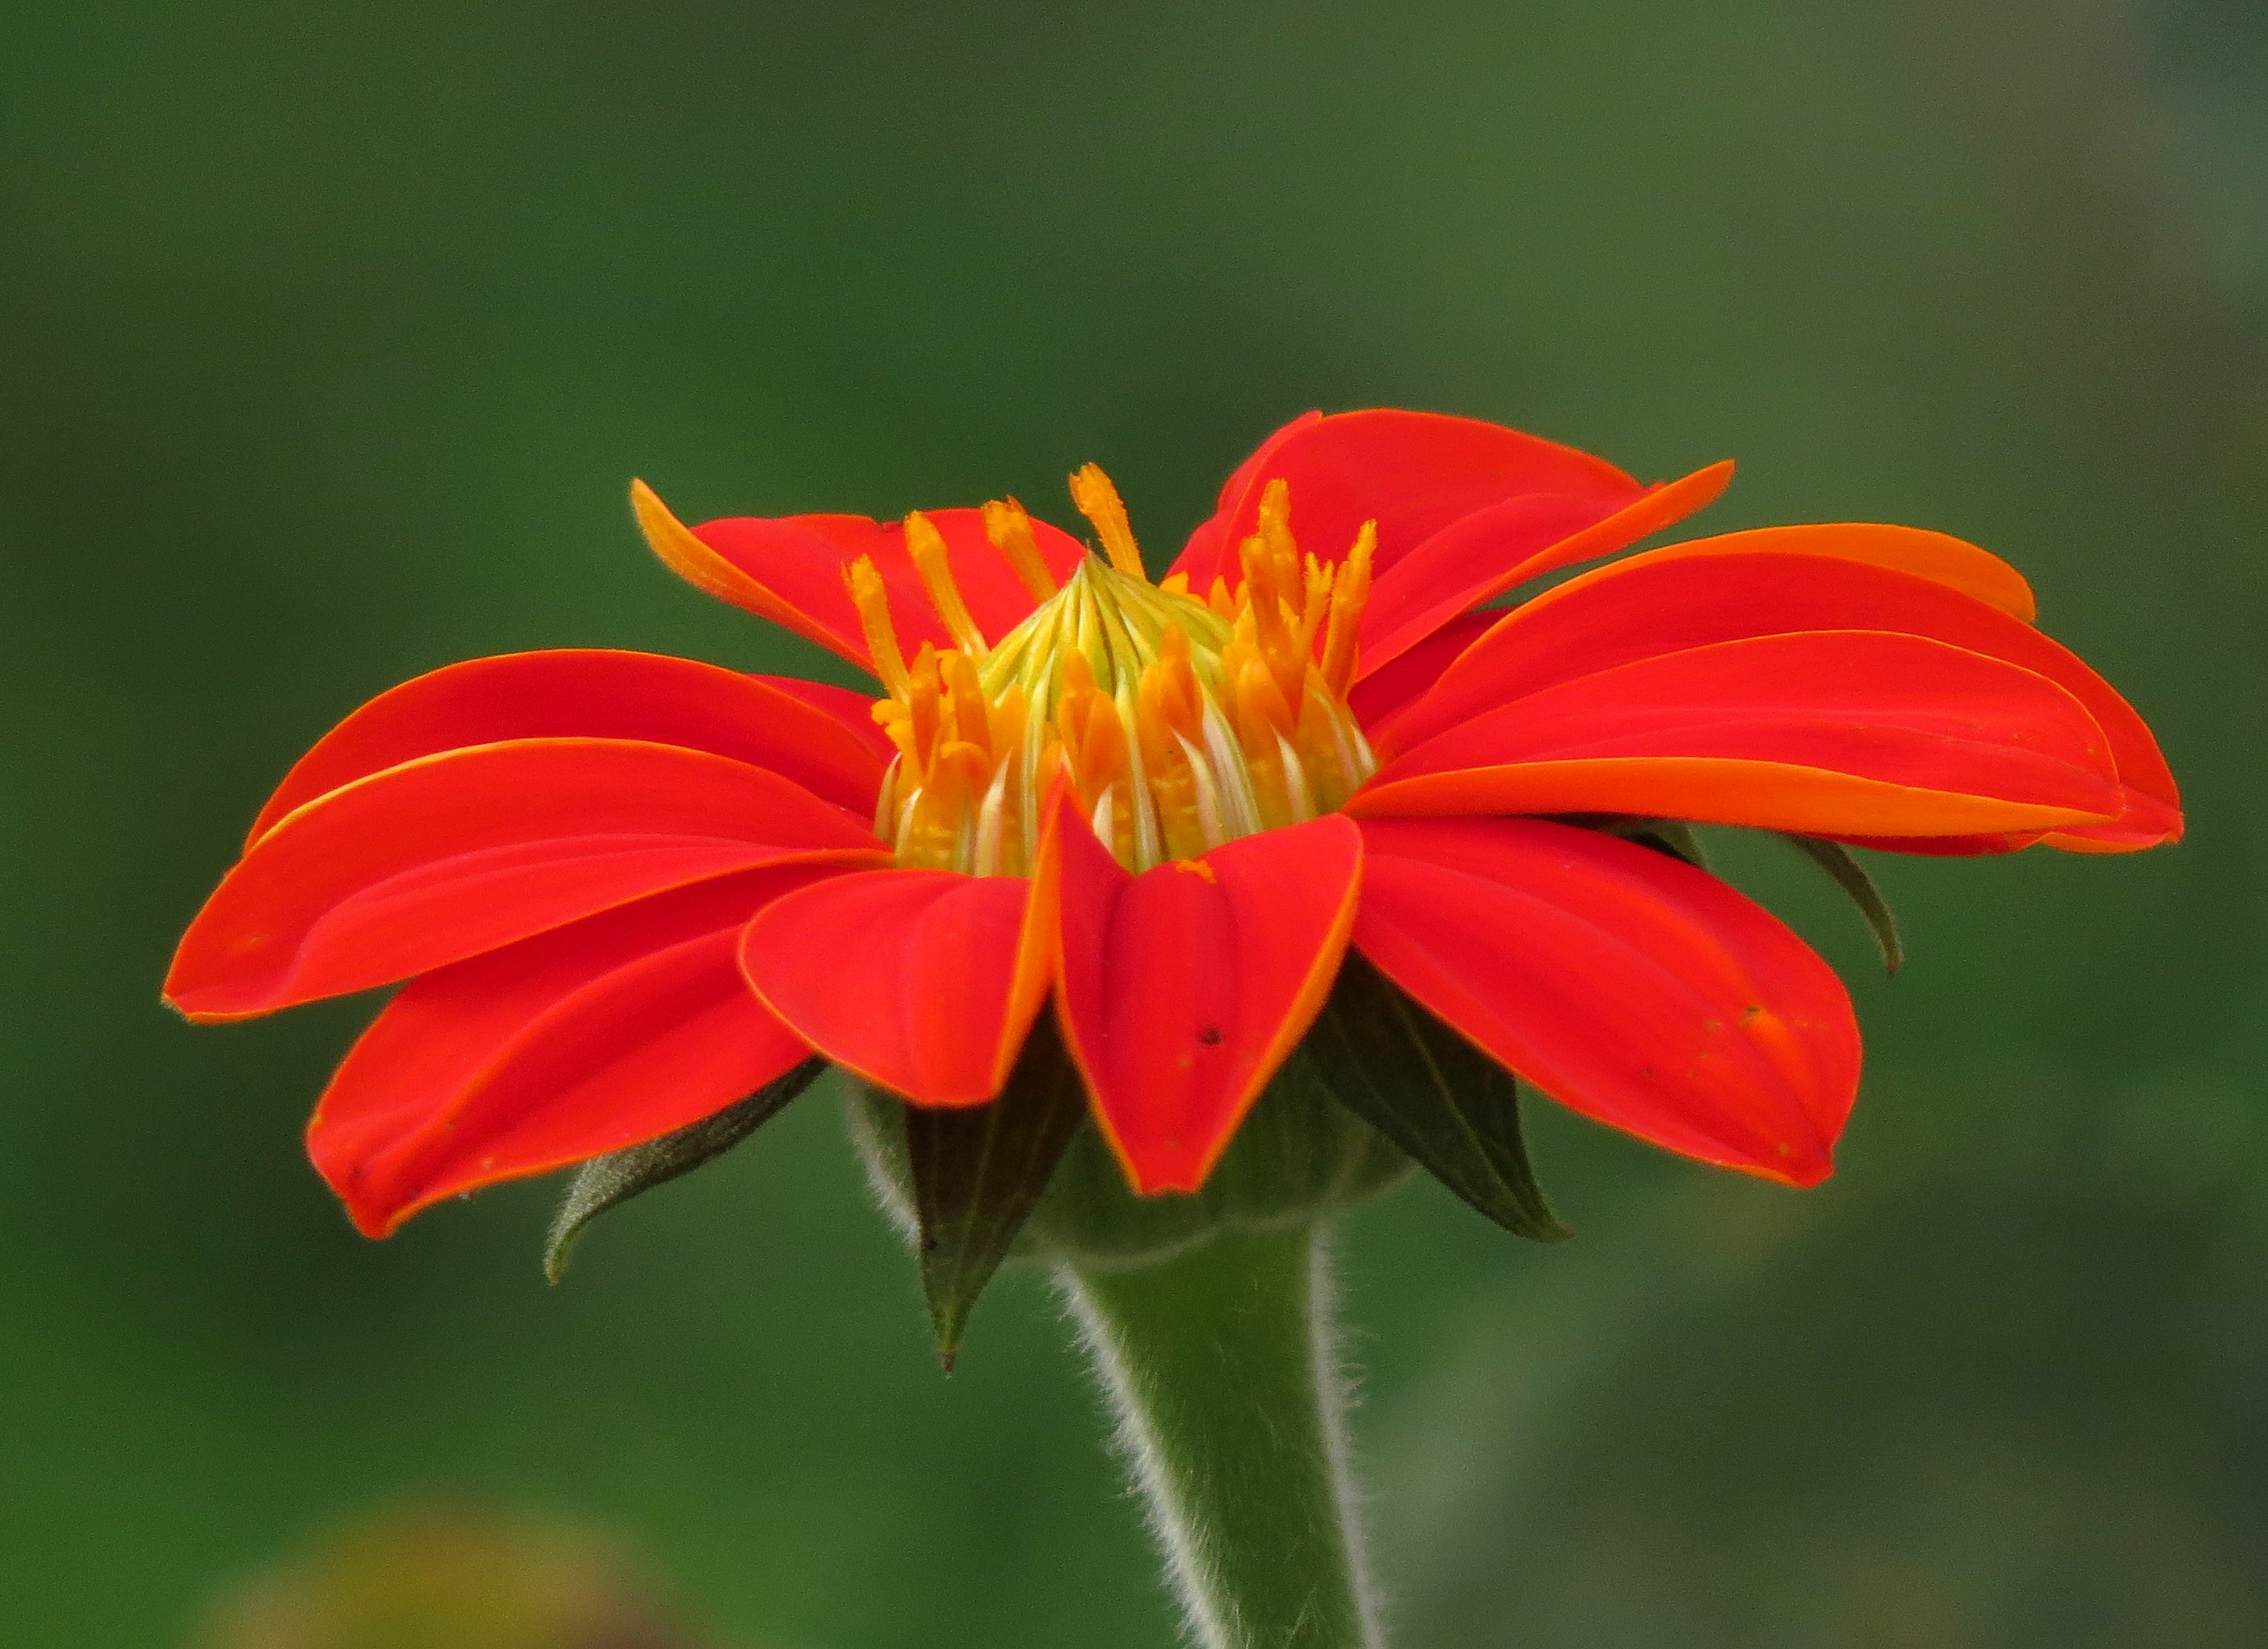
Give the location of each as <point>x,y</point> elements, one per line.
<point>329,337</point>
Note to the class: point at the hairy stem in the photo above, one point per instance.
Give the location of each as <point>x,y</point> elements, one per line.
<point>1218,1362</point>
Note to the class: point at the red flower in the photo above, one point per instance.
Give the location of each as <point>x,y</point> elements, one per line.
<point>626,890</point>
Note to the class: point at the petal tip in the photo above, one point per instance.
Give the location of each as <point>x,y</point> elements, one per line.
<point>1795,1167</point>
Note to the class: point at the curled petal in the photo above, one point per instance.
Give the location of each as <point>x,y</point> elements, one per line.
<point>1662,602</point>
<point>1622,982</point>
<point>1183,988</point>
<point>1413,473</point>
<point>583,1041</point>
<point>924,981</point>
<point>1831,733</point>
<point>1939,557</point>
<point>2146,821</point>
<point>1949,846</point>
<point>714,573</point>
<point>451,855</point>
<point>1491,551</point>
<point>789,569</point>
<point>829,747</point>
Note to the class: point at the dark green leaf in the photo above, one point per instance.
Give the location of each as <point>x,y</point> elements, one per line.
<point>977,1171</point>
<point>1850,876</point>
<point>1451,1106</point>
<point>604,1182</point>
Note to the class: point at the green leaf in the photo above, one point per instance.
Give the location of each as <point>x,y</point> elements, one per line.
<point>1850,876</point>
<point>977,1172</point>
<point>605,1182</point>
<point>1451,1106</point>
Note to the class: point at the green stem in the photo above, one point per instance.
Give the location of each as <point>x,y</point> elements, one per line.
<point>1218,1363</point>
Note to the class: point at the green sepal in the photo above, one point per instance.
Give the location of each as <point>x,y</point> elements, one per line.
<point>603,1182</point>
<point>1451,1107</point>
<point>975,1173</point>
<point>1298,1156</point>
<point>1846,873</point>
<point>1672,836</point>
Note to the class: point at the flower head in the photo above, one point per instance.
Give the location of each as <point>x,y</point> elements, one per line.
<point>626,891</point>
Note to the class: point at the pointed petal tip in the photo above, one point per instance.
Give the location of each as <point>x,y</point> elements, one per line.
<point>379,1219</point>
<point>1799,1171</point>
<point>181,1002</point>
<point>373,1222</point>
<point>371,1217</point>
<point>655,519</point>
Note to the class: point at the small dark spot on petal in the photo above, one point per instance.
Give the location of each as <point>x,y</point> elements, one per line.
<point>1210,1035</point>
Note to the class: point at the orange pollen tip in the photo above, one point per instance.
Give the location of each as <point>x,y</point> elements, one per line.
<point>1099,502</point>
<point>873,603</point>
<point>1010,529</point>
<point>1177,724</point>
<point>934,563</point>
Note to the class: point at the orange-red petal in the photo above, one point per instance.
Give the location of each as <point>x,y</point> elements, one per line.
<point>1488,553</point>
<point>789,569</point>
<point>588,1039</point>
<point>1662,602</point>
<point>1413,473</point>
<point>1940,557</point>
<point>925,982</point>
<point>1832,732</point>
<point>451,855</point>
<point>828,746</point>
<point>1184,989</point>
<point>1383,694</point>
<point>1622,982</point>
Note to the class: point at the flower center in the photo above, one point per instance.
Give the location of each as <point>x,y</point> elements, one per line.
<point>1179,722</point>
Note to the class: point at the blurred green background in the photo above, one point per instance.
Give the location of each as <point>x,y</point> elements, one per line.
<point>332,336</point>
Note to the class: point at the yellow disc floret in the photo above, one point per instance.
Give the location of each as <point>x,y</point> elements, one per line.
<point>1179,723</point>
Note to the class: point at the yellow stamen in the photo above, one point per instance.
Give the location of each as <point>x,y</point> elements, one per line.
<point>1349,591</point>
<point>969,716</point>
<point>1100,503</point>
<point>1179,723</point>
<point>873,605</point>
<point>934,563</point>
<point>1314,603</point>
<point>1010,529</point>
<point>924,711</point>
